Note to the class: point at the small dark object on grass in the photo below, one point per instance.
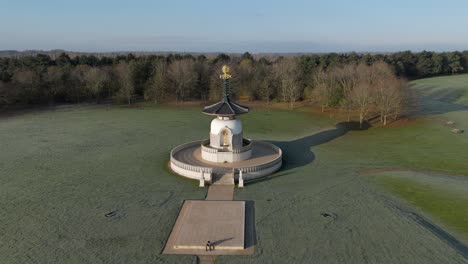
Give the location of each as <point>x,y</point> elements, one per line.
<point>111,214</point>
<point>269,200</point>
<point>332,215</point>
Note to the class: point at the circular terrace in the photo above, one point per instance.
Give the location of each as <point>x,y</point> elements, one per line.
<point>187,161</point>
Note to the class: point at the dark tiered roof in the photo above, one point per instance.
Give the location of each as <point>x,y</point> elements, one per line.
<point>226,107</point>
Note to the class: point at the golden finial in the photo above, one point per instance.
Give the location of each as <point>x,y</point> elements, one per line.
<point>225,75</point>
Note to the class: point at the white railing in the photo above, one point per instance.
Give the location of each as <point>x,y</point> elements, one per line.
<point>206,148</point>
<point>265,165</point>
<point>244,148</point>
<point>186,166</point>
<point>208,170</point>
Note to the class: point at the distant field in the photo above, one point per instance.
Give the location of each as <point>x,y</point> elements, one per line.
<point>453,89</point>
<point>90,185</point>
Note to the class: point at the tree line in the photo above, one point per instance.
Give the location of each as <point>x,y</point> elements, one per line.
<point>349,81</point>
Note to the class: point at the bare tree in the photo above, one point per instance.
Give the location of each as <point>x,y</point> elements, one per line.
<point>279,71</point>
<point>183,76</point>
<point>55,82</point>
<point>360,88</point>
<point>327,91</point>
<point>96,80</point>
<point>263,80</point>
<point>77,77</point>
<point>293,90</point>
<point>158,85</point>
<point>385,91</point>
<point>319,89</point>
<point>113,80</point>
<point>362,99</point>
<point>402,100</point>
<point>407,101</point>
<point>4,95</point>
<point>362,94</point>
<point>244,80</point>
<point>126,87</point>
<point>390,99</point>
<point>203,79</point>
<point>347,78</point>
<point>286,73</point>
<point>215,86</point>
<point>28,82</point>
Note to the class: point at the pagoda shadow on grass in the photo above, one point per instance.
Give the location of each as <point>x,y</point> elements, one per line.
<point>226,155</point>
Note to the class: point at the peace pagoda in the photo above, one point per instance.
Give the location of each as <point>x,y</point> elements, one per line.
<point>226,157</point>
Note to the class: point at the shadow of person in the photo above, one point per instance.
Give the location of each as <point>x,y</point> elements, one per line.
<point>297,153</point>
<point>219,242</point>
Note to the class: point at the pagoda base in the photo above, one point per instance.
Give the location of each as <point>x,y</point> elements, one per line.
<point>186,160</point>
<point>221,155</point>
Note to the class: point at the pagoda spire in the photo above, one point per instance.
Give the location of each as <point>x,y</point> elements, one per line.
<point>225,107</point>
<point>226,83</point>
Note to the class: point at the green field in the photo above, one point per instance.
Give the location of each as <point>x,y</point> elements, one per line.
<point>442,197</point>
<point>451,89</point>
<point>445,97</point>
<point>62,171</point>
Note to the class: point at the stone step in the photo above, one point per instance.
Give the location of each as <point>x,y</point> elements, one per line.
<point>224,179</point>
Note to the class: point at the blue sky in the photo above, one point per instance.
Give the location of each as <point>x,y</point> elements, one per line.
<point>234,26</point>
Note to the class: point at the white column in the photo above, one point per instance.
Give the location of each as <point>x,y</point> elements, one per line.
<point>210,177</point>
<point>202,179</point>
<point>241,180</point>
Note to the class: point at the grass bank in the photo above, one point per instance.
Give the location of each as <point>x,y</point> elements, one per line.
<point>444,198</point>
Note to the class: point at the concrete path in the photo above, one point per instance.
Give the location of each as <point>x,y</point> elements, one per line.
<point>221,190</point>
<point>220,193</point>
<point>225,178</point>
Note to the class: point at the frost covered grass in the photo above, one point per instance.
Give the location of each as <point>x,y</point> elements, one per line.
<point>91,185</point>
<point>442,197</point>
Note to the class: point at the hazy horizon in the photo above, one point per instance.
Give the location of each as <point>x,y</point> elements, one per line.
<point>235,27</point>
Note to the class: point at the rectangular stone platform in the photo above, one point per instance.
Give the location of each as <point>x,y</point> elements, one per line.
<point>221,222</point>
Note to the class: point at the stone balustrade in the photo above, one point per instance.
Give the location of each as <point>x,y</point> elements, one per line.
<point>205,145</point>
<point>252,171</point>
<point>213,154</point>
<point>188,170</point>
<point>182,156</point>
<point>248,146</point>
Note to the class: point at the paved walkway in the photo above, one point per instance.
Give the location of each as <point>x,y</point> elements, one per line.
<point>222,189</point>
<point>219,190</point>
<point>220,193</point>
